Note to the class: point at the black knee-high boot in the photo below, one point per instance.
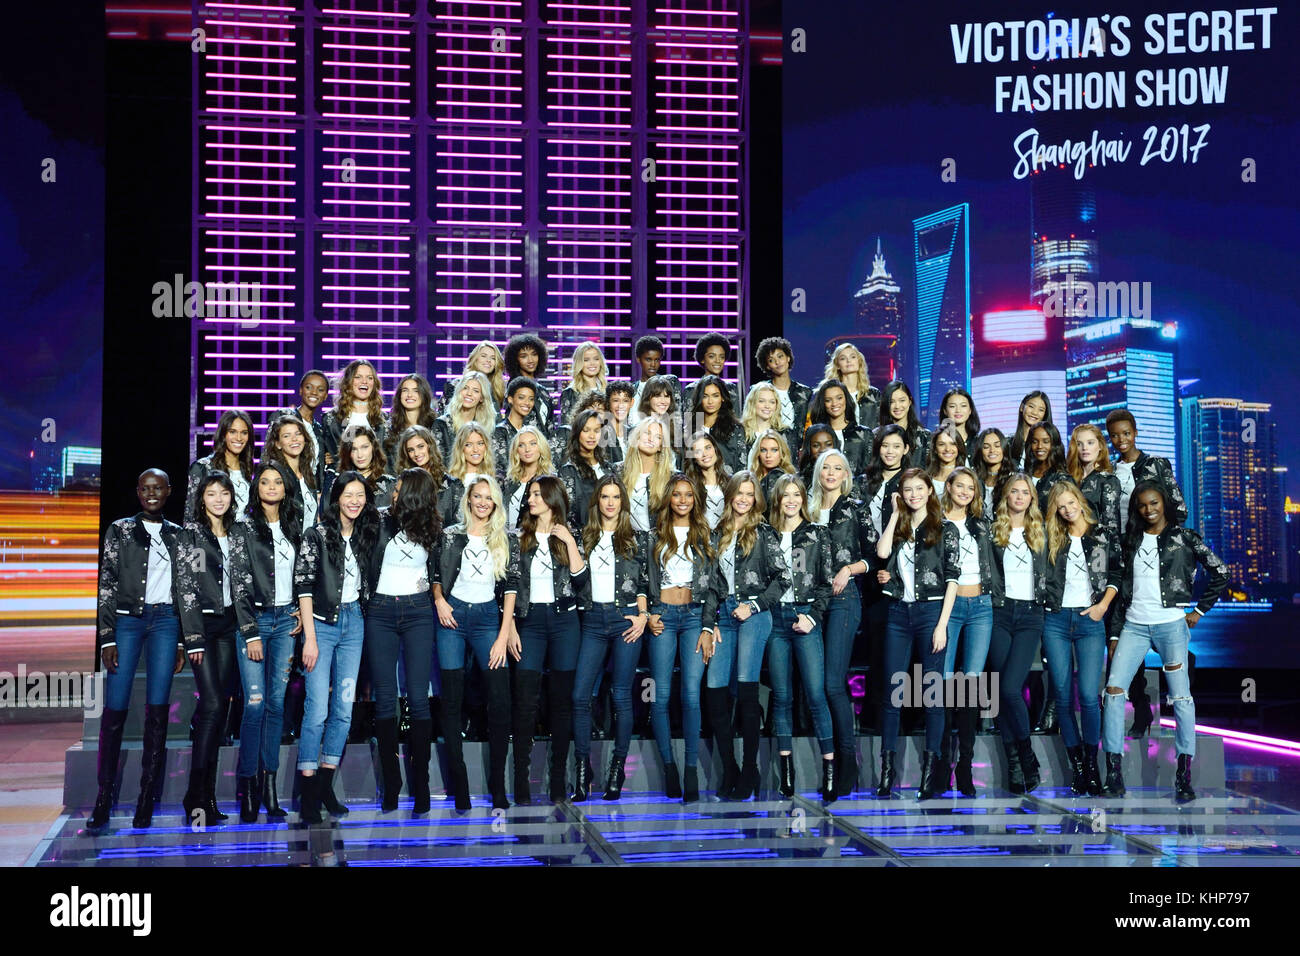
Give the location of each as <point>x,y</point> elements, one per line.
<point>750,719</point>
<point>498,715</point>
<point>453,695</point>
<point>717,700</point>
<point>561,695</point>
<point>420,746</point>
<point>152,759</point>
<point>110,750</point>
<point>390,767</point>
<point>524,719</point>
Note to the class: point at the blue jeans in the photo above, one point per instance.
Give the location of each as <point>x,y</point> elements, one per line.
<point>1170,642</point>
<point>156,635</point>
<point>909,632</point>
<point>1065,631</point>
<point>264,683</point>
<point>546,632</point>
<point>406,622</point>
<point>678,639</point>
<point>971,626</point>
<point>1017,636</point>
<point>741,644</point>
<point>331,688</point>
<point>841,627</point>
<point>812,668</point>
<point>602,629</point>
<point>476,630</point>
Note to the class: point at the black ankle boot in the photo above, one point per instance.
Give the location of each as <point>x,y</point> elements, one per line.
<point>718,702</point>
<point>1029,764</point>
<point>1092,774</point>
<point>750,724</point>
<point>325,791</point>
<point>1015,772</point>
<point>672,782</point>
<point>420,747</point>
<point>1183,779</point>
<point>930,784</point>
<point>691,786</point>
<point>787,774</point>
<point>965,776</point>
<point>270,795</point>
<point>194,803</point>
<point>247,796</point>
<point>582,784</point>
<point>1114,776</point>
<point>152,759</point>
<point>213,777</point>
<point>1078,778</point>
<point>829,791</point>
<point>390,767</point>
<point>1048,723</point>
<point>846,772</point>
<point>111,724</point>
<point>308,802</point>
<point>888,775</point>
<point>615,778</point>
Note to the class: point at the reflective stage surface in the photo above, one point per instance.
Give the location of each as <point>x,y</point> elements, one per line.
<point>1051,827</point>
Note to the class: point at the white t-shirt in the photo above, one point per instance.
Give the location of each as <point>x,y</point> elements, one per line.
<point>476,582</point>
<point>158,575</point>
<point>715,505</point>
<point>240,484</point>
<point>283,549</point>
<point>1147,607</point>
<point>1124,472</point>
<point>640,503</point>
<point>356,420</point>
<point>878,508</point>
<point>727,561</point>
<point>787,547</point>
<point>541,569</point>
<point>825,516</point>
<point>679,568</point>
<point>224,544</point>
<point>405,567</point>
<point>787,406</point>
<point>938,487</point>
<point>602,569</point>
<point>307,498</point>
<point>907,570</point>
<point>515,503</point>
<point>351,575</point>
<point>1078,588</point>
<point>1018,567</point>
<point>969,555</point>
<point>988,501</point>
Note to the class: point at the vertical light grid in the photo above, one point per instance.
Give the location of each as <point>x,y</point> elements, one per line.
<point>248,165</point>
<point>477,104</point>
<point>696,203</point>
<point>589,165</point>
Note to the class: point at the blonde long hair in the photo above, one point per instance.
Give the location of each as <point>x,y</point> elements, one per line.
<point>660,470</point>
<point>515,468</point>
<point>1035,536</point>
<point>579,381</point>
<point>1072,463</point>
<point>485,414</point>
<point>1058,532</point>
<point>862,385</point>
<point>815,495</point>
<point>749,417</point>
<point>497,378</point>
<point>457,467</point>
<point>746,532</point>
<point>785,464</point>
<point>494,536</point>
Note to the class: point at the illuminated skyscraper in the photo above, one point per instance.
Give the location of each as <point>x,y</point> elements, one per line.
<point>1232,483</point>
<point>1063,237</point>
<point>1124,363</point>
<point>879,327</point>
<point>941,249</point>
<point>1017,351</point>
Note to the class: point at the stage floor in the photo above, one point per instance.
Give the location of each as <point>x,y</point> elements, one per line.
<point>995,828</point>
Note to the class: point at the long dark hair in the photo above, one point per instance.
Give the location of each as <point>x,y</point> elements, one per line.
<point>726,422</point>
<point>876,467</point>
<point>378,462</point>
<point>1055,458</point>
<point>424,415</point>
<point>657,385</point>
<point>1137,526</point>
<point>290,515</point>
<point>1019,449</point>
<point>972,423</point>
<point>271,453</point>
<point>913,423</point>
<point>624,536</point>
<point>573,452</point>
<point>806,457</point>
<point>954,436</point>
<point>218,460</point>
<point>977,456</point>
<point>695,473</point>
<point>365,530</point>
<point>698,536</point>
<point>435,468</point>
<point>817,407</point>
<point>374,404</point>
<point>557,499</point>
<point>932,525</point>
<point>416,508</point>
<point>201,517</point>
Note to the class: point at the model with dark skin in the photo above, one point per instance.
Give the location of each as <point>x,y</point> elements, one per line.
<point>713,360</point>
<point>312,393</point>
<point>153,489</point>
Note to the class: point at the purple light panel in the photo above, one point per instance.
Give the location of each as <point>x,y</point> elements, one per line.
<point>406,179</point>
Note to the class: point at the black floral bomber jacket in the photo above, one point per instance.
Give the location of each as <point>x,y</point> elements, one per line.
<point>123,572</point>
<point>519,580</point>
<point>318,574</point>
<point>761,576</point>
<point>1105,567</point>
<point>811,568</point>
<point>1180,550</point>
<point>630,574</point>
<point>935,566</point>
